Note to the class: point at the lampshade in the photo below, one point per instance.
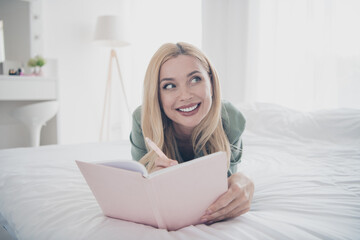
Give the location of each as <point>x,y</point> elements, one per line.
<point>109,31</point>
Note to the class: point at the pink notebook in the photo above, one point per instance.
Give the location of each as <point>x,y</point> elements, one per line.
<point>171,198</point>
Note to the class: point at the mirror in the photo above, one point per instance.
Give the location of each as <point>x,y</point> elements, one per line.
<point>2,47</point>
<point>15,15</point>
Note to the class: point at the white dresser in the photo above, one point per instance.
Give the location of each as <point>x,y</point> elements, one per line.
<point>16,91</point>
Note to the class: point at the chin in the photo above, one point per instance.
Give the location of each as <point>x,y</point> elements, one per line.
<point>190,124</point>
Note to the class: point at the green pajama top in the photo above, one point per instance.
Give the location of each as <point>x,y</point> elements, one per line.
<point>233,123</point>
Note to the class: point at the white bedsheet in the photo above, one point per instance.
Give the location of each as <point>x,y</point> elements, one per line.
<point>305,166</point>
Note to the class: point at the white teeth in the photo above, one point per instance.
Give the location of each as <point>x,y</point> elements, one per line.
<point>189,109</point>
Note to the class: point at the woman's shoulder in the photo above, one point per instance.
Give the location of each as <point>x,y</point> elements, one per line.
<point>233,120</point>
<point>137,114</point>
<point>231,113</point>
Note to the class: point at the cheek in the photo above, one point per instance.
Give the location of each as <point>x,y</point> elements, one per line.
<point>165,101</point>
<point>207,91</point>
<point>208,87</point>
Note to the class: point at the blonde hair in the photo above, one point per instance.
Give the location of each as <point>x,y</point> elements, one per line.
<point>208,137</point>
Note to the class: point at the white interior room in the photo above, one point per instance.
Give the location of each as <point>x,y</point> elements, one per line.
<point>299,54</point>
<point>291,67</point>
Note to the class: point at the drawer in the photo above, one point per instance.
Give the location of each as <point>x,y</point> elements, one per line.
<point>23,88</point>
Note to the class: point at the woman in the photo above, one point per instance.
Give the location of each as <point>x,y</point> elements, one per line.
<point>183,114</point>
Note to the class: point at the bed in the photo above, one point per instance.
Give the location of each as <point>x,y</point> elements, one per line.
<point>305,166</point>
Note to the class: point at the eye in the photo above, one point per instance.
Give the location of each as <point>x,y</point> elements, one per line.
<point>168,86</point>
<point>195,79</point>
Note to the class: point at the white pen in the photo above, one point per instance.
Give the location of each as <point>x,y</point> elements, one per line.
<point>156,149</point>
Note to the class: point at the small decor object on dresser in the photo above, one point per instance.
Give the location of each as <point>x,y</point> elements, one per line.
<point>36,64</point>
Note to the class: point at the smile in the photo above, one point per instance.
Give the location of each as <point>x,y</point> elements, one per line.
<point>189,109</point>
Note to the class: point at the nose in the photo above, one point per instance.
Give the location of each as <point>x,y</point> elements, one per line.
<point>185,93</point>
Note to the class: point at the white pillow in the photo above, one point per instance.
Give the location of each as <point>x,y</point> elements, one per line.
<point>329,125</point>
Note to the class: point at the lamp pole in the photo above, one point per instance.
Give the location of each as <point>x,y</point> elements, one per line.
<point>108,32</point>
<point>106,114</point>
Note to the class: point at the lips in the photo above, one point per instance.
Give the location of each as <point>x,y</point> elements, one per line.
<point>188,108</point>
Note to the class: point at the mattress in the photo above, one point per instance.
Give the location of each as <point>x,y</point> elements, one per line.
<point>305,167</point>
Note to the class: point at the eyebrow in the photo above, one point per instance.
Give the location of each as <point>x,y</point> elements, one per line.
<point>192,73</point>
<point>172,79</point>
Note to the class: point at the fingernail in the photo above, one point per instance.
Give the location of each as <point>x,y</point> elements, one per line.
<point>173,163</point>
<point>208,212</point>
<point>203,220</point>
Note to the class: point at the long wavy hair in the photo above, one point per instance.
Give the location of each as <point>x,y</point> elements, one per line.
<point>208,137</point>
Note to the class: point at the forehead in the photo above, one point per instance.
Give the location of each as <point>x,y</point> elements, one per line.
<point>182,64</point>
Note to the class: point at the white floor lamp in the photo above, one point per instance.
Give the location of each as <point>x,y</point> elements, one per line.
<point>109,33</point>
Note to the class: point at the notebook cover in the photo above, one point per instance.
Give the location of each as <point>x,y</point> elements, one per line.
<point>171,199</point>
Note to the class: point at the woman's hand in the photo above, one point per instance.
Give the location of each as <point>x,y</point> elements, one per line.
<point>235,202</point>
<point>161,163</point>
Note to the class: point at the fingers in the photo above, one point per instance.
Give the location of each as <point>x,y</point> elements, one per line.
<point>156,169</point>
<point>161,163</point>
<point>230,211</point>
<point>235,202</point>
<point>221,208</point>
<point>165,162</point>
<point>221,202</point>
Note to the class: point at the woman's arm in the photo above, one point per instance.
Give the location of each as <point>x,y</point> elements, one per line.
<point>138,148</point>
<point>234,125</point>
<point>235,202</point>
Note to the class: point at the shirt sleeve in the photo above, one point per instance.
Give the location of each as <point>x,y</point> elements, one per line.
<point>138,148</point>
<point>236,151</point>
<point>234,125</point>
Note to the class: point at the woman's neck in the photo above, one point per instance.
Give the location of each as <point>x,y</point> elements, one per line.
<point>184,143</point>
<point>185,148</point>
<point>183,134</point>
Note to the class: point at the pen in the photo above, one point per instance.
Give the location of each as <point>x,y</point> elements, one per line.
<point>156,149</point>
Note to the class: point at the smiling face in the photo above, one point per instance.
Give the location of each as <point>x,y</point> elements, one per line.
<point>185,92</point>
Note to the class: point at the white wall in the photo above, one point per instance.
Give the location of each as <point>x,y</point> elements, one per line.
<point>68,30</point>
<point>225,43</point>
<point>300,54</point>
<point>68,27</point>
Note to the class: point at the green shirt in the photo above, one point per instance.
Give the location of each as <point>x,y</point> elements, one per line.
<point>233,123</point>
